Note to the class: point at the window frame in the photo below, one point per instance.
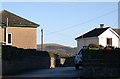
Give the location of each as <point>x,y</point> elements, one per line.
<point>8,39</point>
<point>109,41</point>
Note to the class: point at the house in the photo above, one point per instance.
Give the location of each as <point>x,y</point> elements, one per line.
<point>17,31</point>
<point>104,36</point>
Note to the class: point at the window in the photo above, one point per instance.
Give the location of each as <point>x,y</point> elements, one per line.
<point>9,39</point>
<point>109,41</point>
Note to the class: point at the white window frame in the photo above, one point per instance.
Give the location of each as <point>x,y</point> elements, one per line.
<point>7,39</point>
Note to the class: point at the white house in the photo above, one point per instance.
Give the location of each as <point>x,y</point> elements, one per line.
<point>102,36</point>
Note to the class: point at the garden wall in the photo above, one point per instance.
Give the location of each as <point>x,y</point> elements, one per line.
<point>101,63</point>
<point>15,60</point>
<point>69,62</point>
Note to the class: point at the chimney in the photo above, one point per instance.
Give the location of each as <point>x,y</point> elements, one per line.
<point>102,25</point>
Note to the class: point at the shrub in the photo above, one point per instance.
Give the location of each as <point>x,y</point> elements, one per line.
<point>109,47</point>
<point>94,46</point>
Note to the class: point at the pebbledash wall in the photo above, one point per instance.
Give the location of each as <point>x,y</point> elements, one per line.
<point>22,37</point>
<point>1,35</point>
<point>86,41</point>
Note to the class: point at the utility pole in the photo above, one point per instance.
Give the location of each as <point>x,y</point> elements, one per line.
<point>42,46</point>
<point>5,32</point>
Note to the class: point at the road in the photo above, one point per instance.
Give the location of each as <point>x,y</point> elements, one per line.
<point>55,73</point>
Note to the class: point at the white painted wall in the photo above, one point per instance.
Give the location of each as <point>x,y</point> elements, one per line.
<point>86,41</point>
<point>100,40</point>
<point>119,43</point>
<point>108,34</point>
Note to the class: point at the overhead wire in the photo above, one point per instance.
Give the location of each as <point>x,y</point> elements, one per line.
<point>63,35</point>
<point>90,20</point>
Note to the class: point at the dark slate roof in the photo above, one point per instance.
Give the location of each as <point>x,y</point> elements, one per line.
<point>93,33</point>
<point>15,20</point>
<point>117,31</point>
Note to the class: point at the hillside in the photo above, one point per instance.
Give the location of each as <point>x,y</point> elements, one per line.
<point>61,50</point>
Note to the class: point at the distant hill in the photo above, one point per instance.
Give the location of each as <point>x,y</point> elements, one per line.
<point>61,50</point>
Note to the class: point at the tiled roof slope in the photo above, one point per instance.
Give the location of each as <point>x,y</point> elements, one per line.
<point>15,20</point>
<point>93,33</point>
<point>117,31</point>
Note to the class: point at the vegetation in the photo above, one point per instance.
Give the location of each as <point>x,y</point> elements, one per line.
<point>62,51</point>
<point>95,46</point>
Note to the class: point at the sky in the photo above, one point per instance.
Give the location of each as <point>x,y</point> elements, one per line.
<point>62,22</point>
<point>59,0</point>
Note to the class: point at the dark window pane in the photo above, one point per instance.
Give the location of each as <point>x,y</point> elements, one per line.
<point>109,41</point>
<point>9,38</point>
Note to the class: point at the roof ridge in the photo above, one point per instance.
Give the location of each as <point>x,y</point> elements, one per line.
<point>93,33</point>
<point>21,17</point>
<point>102,28</point>
<point>115,28</point>
<point>30,22</point>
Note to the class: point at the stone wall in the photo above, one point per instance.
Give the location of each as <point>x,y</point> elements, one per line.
<point>69,62</point>
<point>28,63</point>
<point>15,60</point>
<point>101,63</point>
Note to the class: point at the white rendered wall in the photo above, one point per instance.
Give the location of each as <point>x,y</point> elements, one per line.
<point>108,34</point>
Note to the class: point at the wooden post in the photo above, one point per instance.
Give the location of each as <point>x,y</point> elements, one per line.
<point>5,32</point>
<point>42,40</point>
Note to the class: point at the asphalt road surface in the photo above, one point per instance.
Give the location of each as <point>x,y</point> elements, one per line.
<point>55,73</point>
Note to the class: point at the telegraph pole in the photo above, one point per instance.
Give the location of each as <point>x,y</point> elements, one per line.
<point>5,32</point>
<point>42,46</point>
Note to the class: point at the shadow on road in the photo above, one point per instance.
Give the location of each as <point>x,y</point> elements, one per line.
<point>41,78</point>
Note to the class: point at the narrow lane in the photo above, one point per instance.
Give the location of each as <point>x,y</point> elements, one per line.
<point>56,73</point>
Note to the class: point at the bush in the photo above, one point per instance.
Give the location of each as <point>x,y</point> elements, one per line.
<point>109,47</point>
<point>94,46</point>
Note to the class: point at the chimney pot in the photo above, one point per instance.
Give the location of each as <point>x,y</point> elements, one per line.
<point>101,25</point>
